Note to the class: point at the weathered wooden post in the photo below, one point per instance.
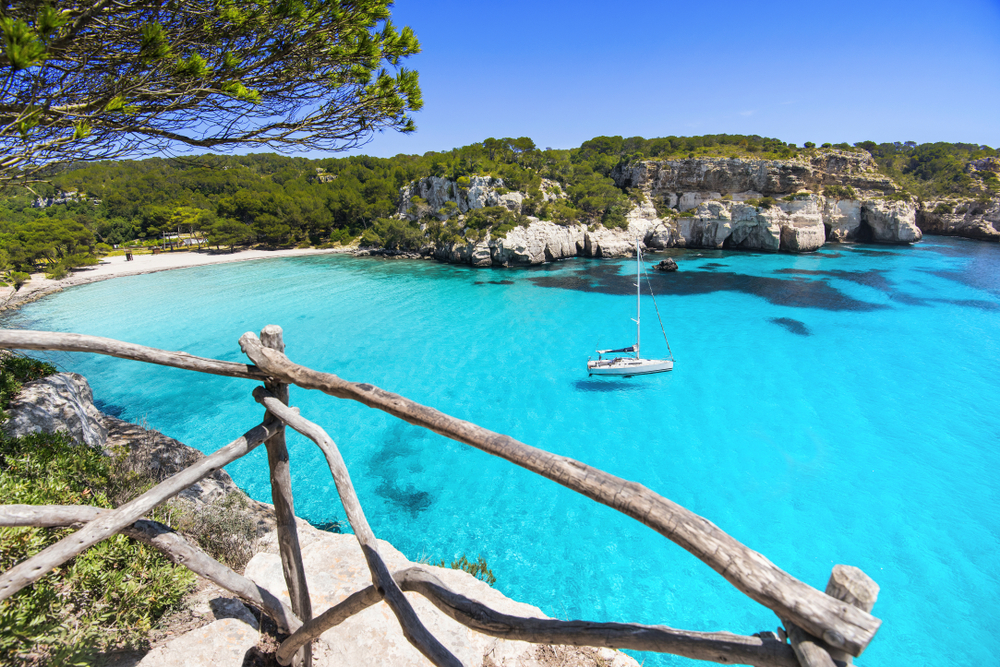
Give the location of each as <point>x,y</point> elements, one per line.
<point>851,585</point>
<point>284,508</point>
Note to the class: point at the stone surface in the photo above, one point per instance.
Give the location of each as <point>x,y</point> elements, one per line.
<point>666,265</point>
<point>223,643</point>
<point>60,402</point>
<point>682,182</point>
<point>335,568</point>
<point>891,221</point>
<point>842,218</point>
<point>969,218</point>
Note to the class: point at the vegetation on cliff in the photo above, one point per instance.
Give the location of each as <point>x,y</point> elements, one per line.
<point>282,201</point>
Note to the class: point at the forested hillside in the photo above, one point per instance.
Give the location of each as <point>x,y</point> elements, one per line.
<point>282,201</point>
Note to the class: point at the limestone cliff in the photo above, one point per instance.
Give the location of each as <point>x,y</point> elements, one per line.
<point>969,218</point>
<point>684,184</point>
<point>739,203</point>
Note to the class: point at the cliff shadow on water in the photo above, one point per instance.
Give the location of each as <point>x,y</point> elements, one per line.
<point>797,292</point>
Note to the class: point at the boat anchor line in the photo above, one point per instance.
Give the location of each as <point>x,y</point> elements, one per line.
<point>630,366</point>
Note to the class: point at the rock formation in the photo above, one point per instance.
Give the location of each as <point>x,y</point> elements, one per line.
<point>335,565</point>
<point>60,402</point>
<point>739,203</point>
<point>969,218</point>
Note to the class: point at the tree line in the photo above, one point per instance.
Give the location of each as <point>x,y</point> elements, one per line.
<point>286,201</point>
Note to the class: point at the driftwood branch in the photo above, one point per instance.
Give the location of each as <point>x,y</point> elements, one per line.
<point>106,525</point>
<point>721,647</point>
<point>413,629</point>
<point>177,549</point>
<point>284,506</point>
<point>840,625</point>
<point>70,342</point>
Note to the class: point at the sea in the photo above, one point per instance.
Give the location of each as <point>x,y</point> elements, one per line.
<point>833,407</point>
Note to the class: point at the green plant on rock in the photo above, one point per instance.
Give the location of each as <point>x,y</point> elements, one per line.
<point>478,568</point>
<point>109,596</point>
<point>943,208</point>
<point>839,192</point>
<point>15,370</point>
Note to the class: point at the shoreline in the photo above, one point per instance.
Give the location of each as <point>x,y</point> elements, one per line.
<point>117,266</point>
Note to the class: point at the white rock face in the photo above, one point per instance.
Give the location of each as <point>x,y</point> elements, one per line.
<point>223,643</point>
<point>335,568</point>
<point>969,218</point>
<point>842,218</point>
<point>539,242</point>
<point>891,221</point>
<point>60,402</point>
<point>437,191</point>
<point>802,228</point>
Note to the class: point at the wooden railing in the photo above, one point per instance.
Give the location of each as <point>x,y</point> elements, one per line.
<point>820,628</point>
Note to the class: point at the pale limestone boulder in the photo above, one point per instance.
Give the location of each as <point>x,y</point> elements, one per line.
<point>603,242</point>
<point>335,568</point>
<point>512,201</point>
<point>541,241</point>
<point>60,402</point>
<point>842,219</point>
<point>891,221</point>
<point>802,237</point>
<point>756,228</point>
<point>711,225</point>
<point>480,255</point>
<point>802,229</point>
<point>663,235</point>
<point>222,643</point>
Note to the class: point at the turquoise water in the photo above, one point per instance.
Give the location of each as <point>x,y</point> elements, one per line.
<point>830,408</point>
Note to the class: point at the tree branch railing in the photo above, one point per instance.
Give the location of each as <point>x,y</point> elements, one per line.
<point>820,627</point>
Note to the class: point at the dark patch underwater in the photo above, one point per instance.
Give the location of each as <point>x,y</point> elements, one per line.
<point>794,326</point>
<point>797,293</point>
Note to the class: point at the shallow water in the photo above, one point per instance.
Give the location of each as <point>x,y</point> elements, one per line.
<point>838,407</point>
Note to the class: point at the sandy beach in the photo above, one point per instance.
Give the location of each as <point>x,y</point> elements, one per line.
<point>117,266</point>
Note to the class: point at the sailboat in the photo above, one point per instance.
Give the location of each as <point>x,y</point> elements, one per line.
<point>628,366</point>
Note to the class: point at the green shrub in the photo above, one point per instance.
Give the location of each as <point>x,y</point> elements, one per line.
<point>15,370</point>
<point>827,145</point>
<point>479,569</point>
<point>17,278</point>
<point>839,192</point>
<point>943,208</point>
<point>809,144</point>
<point>109,596</point>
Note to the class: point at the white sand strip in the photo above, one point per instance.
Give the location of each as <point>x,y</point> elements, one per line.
<point>117,266</point>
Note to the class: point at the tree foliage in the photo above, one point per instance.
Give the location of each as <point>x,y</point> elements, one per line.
<point>98,79</point>
<point>283,201</point>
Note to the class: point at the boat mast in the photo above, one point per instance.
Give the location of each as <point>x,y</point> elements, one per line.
<point>638,294</point>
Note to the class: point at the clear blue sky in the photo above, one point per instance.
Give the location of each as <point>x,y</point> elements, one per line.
<point>563,72</point>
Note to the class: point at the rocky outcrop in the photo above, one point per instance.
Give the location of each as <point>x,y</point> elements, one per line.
<point>60,402</point>
<point>890,221</point>
<point>740,203</point>
<point>686,184</point>
<point>969,218</point>
<point>335,568</point>
<point>842,219</point>
<point>436,192</point>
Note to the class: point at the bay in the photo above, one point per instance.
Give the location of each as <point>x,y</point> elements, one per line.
<point>837,407</point>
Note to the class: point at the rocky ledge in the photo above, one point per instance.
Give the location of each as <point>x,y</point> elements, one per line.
<point>795,205</point>
<point>218,630</point>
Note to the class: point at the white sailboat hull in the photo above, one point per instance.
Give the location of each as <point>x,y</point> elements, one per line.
<point>629,366</point>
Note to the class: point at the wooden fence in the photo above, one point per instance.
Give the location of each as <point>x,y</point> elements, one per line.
<point>819,629</point>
